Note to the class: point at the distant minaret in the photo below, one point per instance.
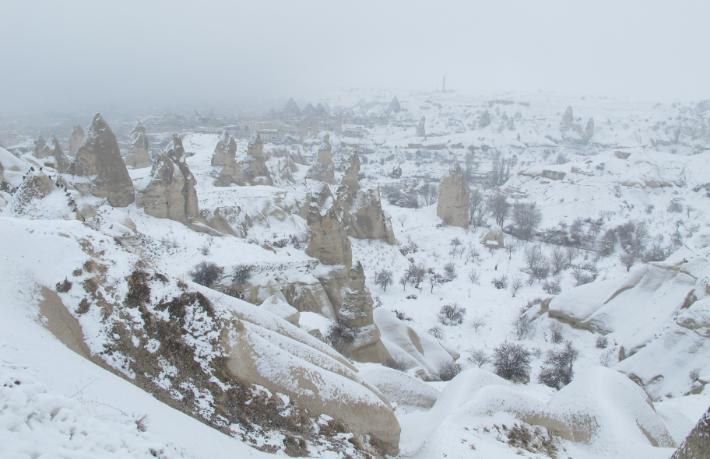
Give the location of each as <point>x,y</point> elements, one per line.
<point>443,84</point>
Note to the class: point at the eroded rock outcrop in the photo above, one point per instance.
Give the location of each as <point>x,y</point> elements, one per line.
<point>76,139</point>
<point>53,151</point>
<point>453,203</point>
<point>225,151</point>
<point>254,167</point>
<point>328,238</point>
<point>356,335</point>
<point>139,152</point>
<point>100,158</point>
<point>421,127</point>
<point>697,443</point>
<point>171,191</point>
<point>323,169</point>
<point>368,220</point>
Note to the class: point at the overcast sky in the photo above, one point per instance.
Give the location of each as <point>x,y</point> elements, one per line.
<point>105,54</point>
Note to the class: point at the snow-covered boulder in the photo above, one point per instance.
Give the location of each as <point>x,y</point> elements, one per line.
<point>398,387</point>
<point>279,307</point>
<point>410,349</point>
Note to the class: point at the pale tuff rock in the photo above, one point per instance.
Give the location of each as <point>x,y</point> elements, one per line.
<point>453,203</point>
<point>40,148</point>
<point>567,119</point>
<point>279,307</point>
<point>255,170</point>
<point>217,221</point>
<point>171,191</point>
<point>574,132</point>
<point>350,183</point>
<point>251,171</point>
<point>225,151</point>
<point>76,139</point>
<point>697,444</point>
<point>53,151</point>
<point>394,106</point>
<point>399,387</point>
<point>328,241</point>
<point>368,220</point>
<point>421,127</point>
<point>323,169</point>
<point>99,157</point>
<point>353,309</point>
<point>139,152</point>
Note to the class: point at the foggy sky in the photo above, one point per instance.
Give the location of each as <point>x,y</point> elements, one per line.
<point>109,54</point>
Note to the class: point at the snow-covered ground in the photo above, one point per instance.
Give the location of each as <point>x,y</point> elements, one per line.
<point>648,323</point>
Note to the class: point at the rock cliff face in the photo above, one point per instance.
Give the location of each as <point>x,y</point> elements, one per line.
<point>99,158</point>
<point>171,191</point>
<point>225,151</point>
<point>323,169</point>
<point>76,139</point>
<point>139,152</point>
<point>453,202</point>
<point>697,444</point>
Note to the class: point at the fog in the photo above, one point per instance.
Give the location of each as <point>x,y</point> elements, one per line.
<point>232,55</point>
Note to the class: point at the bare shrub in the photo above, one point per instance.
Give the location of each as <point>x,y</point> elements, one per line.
<point>63,286</point>
<point>557,371</point>
<point>552,287</point>
<point>449,371</point>
<point>383,279</point>
<point>436,332</point>
<point>241,273</point>
<point>515,285</point>
<point>556,333</point>
<point>473,276</point>
<point>512,362</point>
<point>602,342</point>
<point>479,358</point>
<point>449,272</point>
<point>206,273</point>
<point>522,326</point>
<point>500,282</point>
<point>526,218</point>
<point>451,314</point>
<point>558,261</point>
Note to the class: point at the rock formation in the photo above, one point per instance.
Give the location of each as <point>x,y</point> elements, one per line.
<point>350,183</point>
<point>225,151</point>
<point>697,443</point>
<point>76,139</point>
<point>52,150</point>
<point>394,106</point>
<point>567,120</point>
<point>323,169</point>
<point>328,241</point>
<point>368,220</point>
<point>421,127</point>
<point>254,168</point>
<point>171,191</point>
<point>453,203</point>
<point>355,313</point>
<point>139,152</point>
<point>100,158</point>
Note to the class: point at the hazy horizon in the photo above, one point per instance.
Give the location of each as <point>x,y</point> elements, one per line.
<point>161,55</point>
